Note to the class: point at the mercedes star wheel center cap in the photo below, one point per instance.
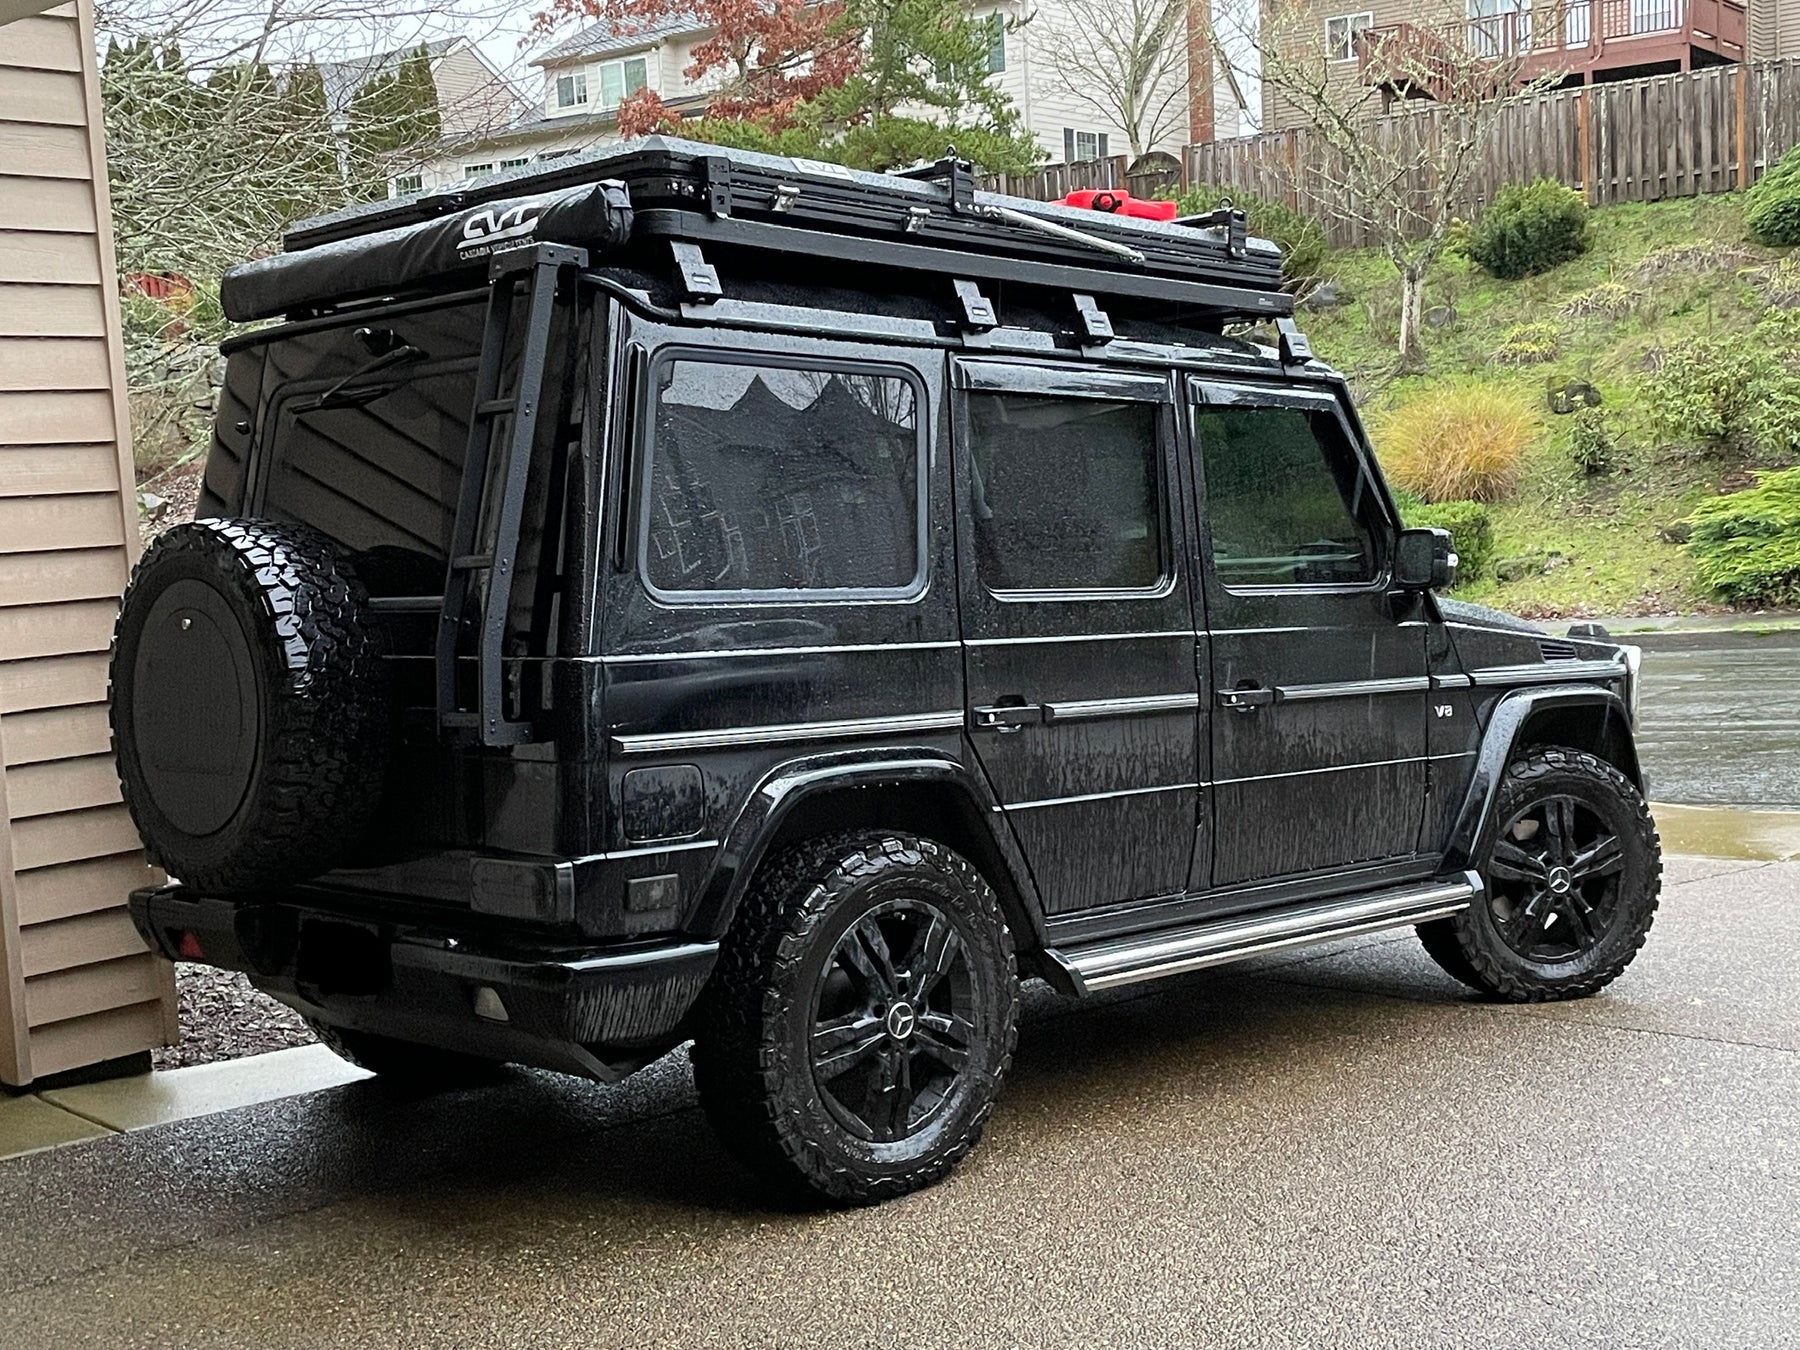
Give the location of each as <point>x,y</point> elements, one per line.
<point>901,1020</point>
<point>1560,880</point>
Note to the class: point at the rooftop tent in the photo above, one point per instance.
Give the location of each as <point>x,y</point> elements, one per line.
<point>659,191</point>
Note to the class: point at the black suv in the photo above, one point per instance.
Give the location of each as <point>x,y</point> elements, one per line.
<point>678,594</point>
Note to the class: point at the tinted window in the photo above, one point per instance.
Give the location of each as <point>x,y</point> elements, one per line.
<point>378,470</point>
<point>1287,501</point>
<point>771,478</point>
<point>1065,492</point>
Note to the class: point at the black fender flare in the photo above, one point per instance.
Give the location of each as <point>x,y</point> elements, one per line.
<point>792,783</point>
<point>1507,720</point>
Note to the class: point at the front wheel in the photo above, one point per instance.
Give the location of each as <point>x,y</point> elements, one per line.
<point>1573,869</point>
<point>861,1019</point>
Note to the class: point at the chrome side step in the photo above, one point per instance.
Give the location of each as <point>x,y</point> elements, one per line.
<point>1151,956</point>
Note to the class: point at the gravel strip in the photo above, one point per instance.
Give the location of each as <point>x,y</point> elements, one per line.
<point>222,1017</point>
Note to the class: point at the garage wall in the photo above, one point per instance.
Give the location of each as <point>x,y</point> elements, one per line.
<point>76,984</point>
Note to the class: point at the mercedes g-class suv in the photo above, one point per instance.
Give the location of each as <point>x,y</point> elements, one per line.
<point>680,594</point>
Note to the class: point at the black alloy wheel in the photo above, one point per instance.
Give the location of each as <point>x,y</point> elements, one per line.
<point>855,1034</point>
<point>1553,880</point>
<point>894,1017</point>
<point>1572,869</point>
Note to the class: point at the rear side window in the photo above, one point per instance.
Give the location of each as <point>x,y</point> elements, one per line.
<point>1287,499</point>
<point>1066,492</point>
<point>781,478</point>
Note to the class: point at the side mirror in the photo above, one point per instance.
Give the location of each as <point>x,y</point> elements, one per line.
<point>1424,560</point>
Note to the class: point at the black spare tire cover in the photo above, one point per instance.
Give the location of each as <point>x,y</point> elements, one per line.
<point>249,704</point>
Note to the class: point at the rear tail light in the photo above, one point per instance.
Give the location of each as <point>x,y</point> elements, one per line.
<point>188,947</point>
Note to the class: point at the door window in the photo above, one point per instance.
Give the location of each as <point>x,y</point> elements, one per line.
<point>781,478</point>
<point>1287,500</point>
<point>1066,492</point>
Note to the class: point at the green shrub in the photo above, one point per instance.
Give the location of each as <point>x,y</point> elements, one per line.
<point>1739,393</point>
<point>1457,442</point>
<point>1304,247</point>
<point>1772,207</point>
<point>1747,546</point>
<point>1469,526</point>
<point>1592,444</point>
<point>1530,228</point>
<point>1529,344</point>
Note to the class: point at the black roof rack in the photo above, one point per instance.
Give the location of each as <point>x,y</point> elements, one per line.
<point>932,219</point>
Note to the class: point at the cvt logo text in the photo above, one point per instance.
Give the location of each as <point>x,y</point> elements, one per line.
<point>484,229</point>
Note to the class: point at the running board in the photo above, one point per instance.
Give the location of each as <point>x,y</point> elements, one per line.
<point>1151,956</point>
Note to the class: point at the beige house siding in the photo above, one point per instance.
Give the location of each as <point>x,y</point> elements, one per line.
<point>472,100</point>
<point>1774,29</point>
<point>78,984</point>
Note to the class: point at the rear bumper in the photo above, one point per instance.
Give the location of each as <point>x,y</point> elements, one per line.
<point>579,1009</point>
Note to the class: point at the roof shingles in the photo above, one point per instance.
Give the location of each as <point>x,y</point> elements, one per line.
<point>608,37</point>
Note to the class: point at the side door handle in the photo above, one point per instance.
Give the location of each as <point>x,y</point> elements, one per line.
<point>1007,717</point>
<point>1247,699</point>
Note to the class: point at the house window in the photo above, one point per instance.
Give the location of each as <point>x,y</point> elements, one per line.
<point>619,80</point>
<point>1083,145</point>
<point>996,25</point>
<point>477,170</point>
<point>1340,35</point>
<point>514,163</point>
<point>406,184</point>
<point>571,90</point>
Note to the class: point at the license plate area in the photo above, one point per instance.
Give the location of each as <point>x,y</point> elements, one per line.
<point>344,959</point>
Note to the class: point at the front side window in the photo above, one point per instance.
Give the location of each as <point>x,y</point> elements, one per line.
<point>776,478</point>
<point>1065,493</point>
<point>1340,34</point>
<point>1287,499</point>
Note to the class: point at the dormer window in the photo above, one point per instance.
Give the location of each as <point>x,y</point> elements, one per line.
<point>619,80</point>
<point>571,90</point>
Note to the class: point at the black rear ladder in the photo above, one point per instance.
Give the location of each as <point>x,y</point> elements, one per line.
<point>512,421</point>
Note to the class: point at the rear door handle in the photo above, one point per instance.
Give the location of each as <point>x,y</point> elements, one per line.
<point>1007,717</point>
<point>1247,699</point>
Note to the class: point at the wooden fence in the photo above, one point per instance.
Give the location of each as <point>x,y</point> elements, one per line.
<point>1713,130</point>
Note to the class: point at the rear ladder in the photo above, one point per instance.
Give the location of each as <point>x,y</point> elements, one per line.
<point>502,432</point>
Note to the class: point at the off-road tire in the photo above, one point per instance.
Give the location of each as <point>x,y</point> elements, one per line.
<point>752,1055</point>
<point>1469,945</point>
<point>249,704</point>
<point>405,1063</point>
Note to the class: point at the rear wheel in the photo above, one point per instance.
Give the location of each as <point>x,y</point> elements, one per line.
<point>1573,869</point>
<point>405,1062</point>
<point>862,1018</point>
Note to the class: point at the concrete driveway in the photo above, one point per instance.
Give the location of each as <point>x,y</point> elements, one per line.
<point>1340,1150</point>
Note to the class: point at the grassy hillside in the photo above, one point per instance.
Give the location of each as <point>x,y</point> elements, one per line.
<point>1655,275</point>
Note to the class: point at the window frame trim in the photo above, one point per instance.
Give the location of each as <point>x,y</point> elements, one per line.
<point>1348,19</point>
<point>988,376</point>
<point>1310,400</point>
<point>642,442</point>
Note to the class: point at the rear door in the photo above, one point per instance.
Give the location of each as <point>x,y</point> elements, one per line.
<point>1318,736</point>
<point>1077,626</point>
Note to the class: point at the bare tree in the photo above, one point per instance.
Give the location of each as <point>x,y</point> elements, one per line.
<point>226,122</point>
<point>1405,129</point>
<point>1125,59</point>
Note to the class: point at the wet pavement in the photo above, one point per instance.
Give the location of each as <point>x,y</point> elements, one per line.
<point>1339,1149</point>
<point>1720,722</point>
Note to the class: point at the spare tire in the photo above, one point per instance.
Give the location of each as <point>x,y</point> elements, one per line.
<point>249,704</point>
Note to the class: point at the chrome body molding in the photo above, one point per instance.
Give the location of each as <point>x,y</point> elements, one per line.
<point>1061,638</point>
<point>649,850</point>
<point>735,653</point>
<point>1323,768</point>
<point>1151,956</point>
<point>1550,672</point>
<point>1302,693</point>
<point>727,738</point>
<point>1087,709</point>
<point>1097,796</point>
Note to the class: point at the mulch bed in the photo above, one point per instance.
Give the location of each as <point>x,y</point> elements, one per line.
<point>222,1017</point>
